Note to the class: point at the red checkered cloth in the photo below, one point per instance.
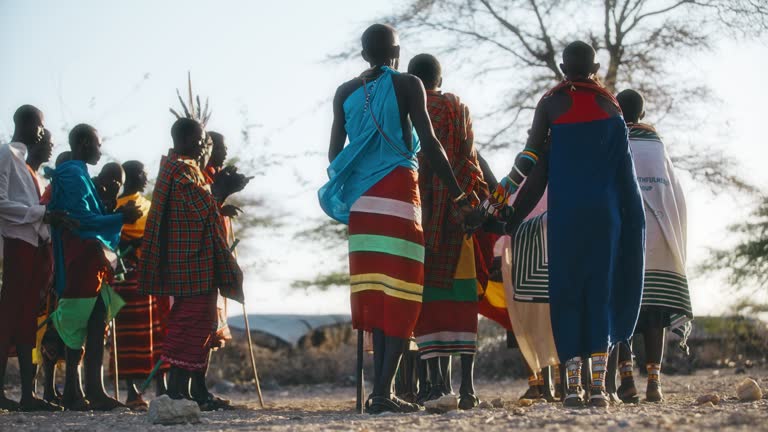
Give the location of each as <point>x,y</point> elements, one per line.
<point>184,252</point>
<point>442,232</point>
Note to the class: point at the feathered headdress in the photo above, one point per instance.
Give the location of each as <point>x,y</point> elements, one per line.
<point>200,114</point>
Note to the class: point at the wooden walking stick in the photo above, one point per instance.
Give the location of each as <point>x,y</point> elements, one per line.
<point>359,406</point>
<point>114,348</point>
<point>235,242</point>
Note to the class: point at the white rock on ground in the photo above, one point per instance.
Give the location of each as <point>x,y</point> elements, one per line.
<point>443,405</point>
<point>749,391</point>
<point>166,411</point>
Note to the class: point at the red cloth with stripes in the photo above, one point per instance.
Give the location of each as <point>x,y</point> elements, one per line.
<point>141,330</point>
<point>191,328</point>
<point>374,309</point>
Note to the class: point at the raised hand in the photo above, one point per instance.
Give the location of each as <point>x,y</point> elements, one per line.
<point>130,212</point>
<point>227,182</point>
<point>231,211</point>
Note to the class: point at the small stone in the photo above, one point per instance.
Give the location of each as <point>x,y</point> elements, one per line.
<point>708,398</point>
<point>485,405</point>
<point>748,391</point>
<point>442,405</point>
<point>166,411</point>
<point>540,401</point>
<point>525,402</point>
<point>497,403</point>
<point>708,404</point>
<point>518,411</point>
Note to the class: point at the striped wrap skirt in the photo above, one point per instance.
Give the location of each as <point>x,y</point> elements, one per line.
<point>386,255</point>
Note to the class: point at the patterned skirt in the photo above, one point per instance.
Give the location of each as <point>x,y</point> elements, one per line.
<point>140,331</point>
<point>386,255</point>
<point>448,322</point>
<point>192,327</point>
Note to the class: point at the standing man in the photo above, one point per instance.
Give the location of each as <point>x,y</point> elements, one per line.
<point>596,224</point>
<point>373,188</point>
<point>666,298</point>
<point>185,255</point>
<point>27,260</point>
<point>84,261</point>
<point>140,324</point>
<point>448,322</point>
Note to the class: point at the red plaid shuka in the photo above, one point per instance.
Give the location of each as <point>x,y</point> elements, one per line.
<point>442,233</point>
<point>185,251</point>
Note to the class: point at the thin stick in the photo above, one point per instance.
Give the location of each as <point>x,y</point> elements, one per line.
<point>114,347</point>
<point>253,358</point>
<point>235,242</point>
<point>359,374</point>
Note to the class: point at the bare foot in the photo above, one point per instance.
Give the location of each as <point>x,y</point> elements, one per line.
<point>104,403</point>
<point>35,404</point>
<point>8,405</point>
<point>77,403</point>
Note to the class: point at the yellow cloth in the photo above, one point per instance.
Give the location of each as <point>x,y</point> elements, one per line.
<point>135,230</point>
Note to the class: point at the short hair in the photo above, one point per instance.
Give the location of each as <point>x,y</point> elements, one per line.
<point>578,58</point>
<point>25,114</point>
<point>64,156</point>
<point>184,127</point>
<point>632,104</point>
<point>427,68</point>
<point>132,166</point>
<point>379,41</point>
<point>111,169</point>
<point>216,137</point>
<point>79,133</point>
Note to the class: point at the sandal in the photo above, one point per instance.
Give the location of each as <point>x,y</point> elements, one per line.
<point>137,404</point>
<point>406,407</point>
<point>39,405</point>
<point>533,392</point>
<point>79,404</point>
<point>627,392</point>
<point>468,401</point>
<point>381,404</point>
<point>8,405</point>
<point>214,403</point>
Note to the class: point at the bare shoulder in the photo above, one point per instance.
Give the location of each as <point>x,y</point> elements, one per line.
<point>346,89</point>
<point>407,80</point>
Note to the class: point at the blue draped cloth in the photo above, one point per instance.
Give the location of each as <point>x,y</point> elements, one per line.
<point>73,191</point>
<point>368,157</point>
<point>595,235</point>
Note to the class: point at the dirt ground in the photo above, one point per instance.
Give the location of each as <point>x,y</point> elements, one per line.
<point>326,407</point>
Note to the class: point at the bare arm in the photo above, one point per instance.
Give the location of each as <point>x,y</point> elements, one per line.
<point>488,175</point>
<point>338,132</point>
<point>526,160</point>
<point>431,147</point>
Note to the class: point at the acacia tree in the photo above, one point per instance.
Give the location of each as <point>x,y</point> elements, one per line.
<point>746,264</point>
<point>518,43</point>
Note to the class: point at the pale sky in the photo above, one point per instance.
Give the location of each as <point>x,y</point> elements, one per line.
<point>116,65</point>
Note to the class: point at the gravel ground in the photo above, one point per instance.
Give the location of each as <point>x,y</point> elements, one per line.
<point>325,407</point>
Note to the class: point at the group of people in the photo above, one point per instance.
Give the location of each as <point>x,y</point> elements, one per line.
<point>581,245</point>
<point>83,252</point>
<point>577,249</point>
